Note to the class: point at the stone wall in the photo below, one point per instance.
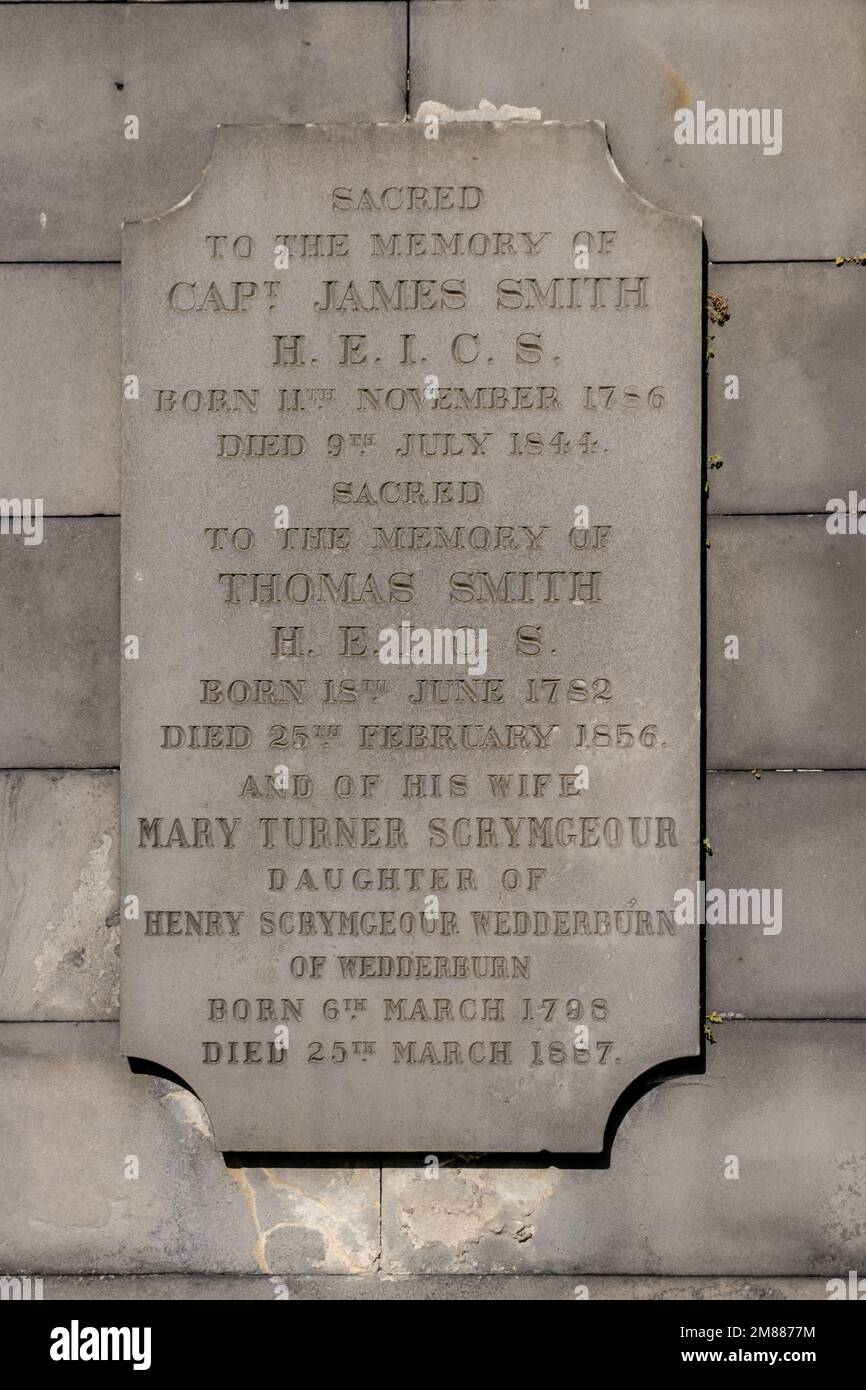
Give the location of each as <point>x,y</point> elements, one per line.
<point>786,723</point>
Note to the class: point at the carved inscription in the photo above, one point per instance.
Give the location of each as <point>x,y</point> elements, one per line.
<point>411,576</point>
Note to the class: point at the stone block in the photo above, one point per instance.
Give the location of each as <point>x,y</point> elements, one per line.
<point>59,895</point>
<point>470,1288</point>
<point>783,1099</point>
<point>796,341</point>
<point>633,63</point>
<point>77,1122</point>
<point>60,386</point>
<point>72,74</point>
<point>794,832</point>
<point>794,596</point>
<point>59,634</point>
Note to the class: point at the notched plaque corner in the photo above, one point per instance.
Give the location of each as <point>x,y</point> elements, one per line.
<point>610,158</point>
<point>209,171</point>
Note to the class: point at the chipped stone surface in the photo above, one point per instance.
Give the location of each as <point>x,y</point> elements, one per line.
<point>633,63</point>
<point>453,1288</point>
<point>663,1208</point>
<point>796,340</point>
<point>484,111</point>
<point>793,832</point>
<point>59,635</point>
<point>59,895</point>
<point>71,74</point>
<point>61,413</point>
<point>795,597</point>
<point>286,1213</point>
<point>74,1115</point>
<point>474,1211</point>
<point>783,1098</point>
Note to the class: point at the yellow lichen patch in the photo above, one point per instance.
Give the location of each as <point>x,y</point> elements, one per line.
<point>676,91</point>
<point>259,1250</point>
<point>337,1212</point>
<point>718,308</point>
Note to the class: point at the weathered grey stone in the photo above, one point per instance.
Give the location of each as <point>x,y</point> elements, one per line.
<point>633,63</point>
<point>59,629</point>
<point>747,727</point>
<point>784,1099</point>
<point>75,1121</point>
<point>61,145</point>
<point>59,895</point>
<point>796,341</point>
<point>71,74</point>
<point>794,832</point>
<point>451,1287</point>
<point>786,831</point>
<point>61,403</point>
<point>794,596</point>
<point>664,1206</point>
<point>612,600</point>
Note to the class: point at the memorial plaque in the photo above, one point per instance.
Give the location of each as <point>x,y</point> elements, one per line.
<point>411,594</point>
